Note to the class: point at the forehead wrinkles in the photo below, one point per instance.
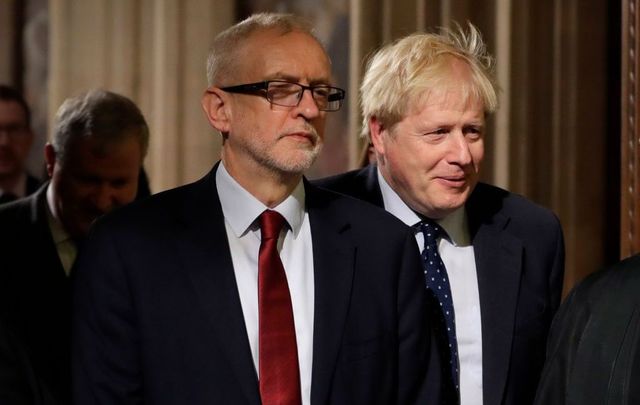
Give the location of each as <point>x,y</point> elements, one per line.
<point>449,98</point>
<point>272,54</point>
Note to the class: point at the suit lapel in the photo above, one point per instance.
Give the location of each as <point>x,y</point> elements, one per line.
<point>204,248</point>
<point>499,265</point>
<point>333,261</point>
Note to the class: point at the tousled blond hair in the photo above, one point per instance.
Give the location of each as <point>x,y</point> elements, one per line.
<point>402,73</point>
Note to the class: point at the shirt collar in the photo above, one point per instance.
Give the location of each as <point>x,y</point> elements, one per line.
<point>455,224</point>
<point>394,204</point>
<point>241,208</point>
<point>57,230</point>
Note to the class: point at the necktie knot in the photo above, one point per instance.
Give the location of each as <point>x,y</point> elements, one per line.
<point>431,231</point>
<point>271,223</point>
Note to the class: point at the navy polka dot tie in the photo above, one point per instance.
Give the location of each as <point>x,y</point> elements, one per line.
<point>441,303</point>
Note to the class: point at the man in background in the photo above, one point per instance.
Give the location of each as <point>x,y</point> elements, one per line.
<point>93,161</point>
<point>493,261</point>
<point>16,139</point>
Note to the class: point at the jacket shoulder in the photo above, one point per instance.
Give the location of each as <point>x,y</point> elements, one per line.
<point>343,181</point>
<point>357,211</point>
<point>159,210</point>
<point>489,201</point>
<point>618,283</point>
<point>361,184</point>
<point>18,213</point>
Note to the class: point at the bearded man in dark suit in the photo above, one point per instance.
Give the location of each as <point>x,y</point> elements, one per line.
<point>252,286</point>
<point>425,99</point>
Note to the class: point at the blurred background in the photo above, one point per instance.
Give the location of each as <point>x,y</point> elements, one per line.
<point>565,134</point>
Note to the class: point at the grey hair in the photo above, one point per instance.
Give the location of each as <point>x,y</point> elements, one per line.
<point>222,60</point>
<point>101,115</point>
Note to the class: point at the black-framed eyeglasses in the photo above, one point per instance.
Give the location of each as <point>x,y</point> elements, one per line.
<point>288,94</point>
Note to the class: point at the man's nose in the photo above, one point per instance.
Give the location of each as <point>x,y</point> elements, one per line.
<point>307,106</point>
<point>460,152</point>
<point>104,199</point>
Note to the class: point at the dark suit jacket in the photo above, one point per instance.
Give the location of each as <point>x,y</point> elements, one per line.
<point>519,252</point>
<point>593,352</point>
<point>158,318</point>
<point>33,184</point>
<point>34,290</point>
<point>19,384</point>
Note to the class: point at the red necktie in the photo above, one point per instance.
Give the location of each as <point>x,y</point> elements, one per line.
<point>279,373</point>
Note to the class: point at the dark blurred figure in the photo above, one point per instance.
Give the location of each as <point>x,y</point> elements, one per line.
<point>94,160</point>
<point>593,356</point>
<point>16,139</point>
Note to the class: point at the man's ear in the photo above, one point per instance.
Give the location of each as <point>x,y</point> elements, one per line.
<point>377,131</point>
<point>50,158</point>
<point>215,106</point>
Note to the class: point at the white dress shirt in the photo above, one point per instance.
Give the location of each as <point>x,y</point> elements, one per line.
<point>458,257</point>
<point>241,210</point>
<point>65,246</point>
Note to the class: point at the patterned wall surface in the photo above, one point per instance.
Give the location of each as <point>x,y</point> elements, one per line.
<point>630,170</point>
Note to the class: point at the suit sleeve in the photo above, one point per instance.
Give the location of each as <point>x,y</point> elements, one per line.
<point>556,277</point>
<point>105,356</point>
<point>419,362</point>
<point>563,343</point>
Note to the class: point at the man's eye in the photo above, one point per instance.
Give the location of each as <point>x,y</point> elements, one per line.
<point>89,181</point>
<point>322,92</point>
<point>282,90</point>
<point>118,183</point>
<point>473,132</point>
